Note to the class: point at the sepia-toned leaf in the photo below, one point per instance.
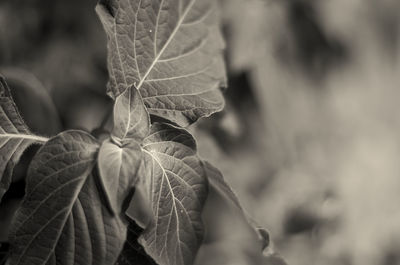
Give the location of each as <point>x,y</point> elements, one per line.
<point>61,219</point>
<point>131,119</point>
<point>173,179</point>
<point>40,114</point>
<point>118,168</point>
<point>247,245</point>
<point>120,157</point>
<point>15,136</point>
<point>170,50</point>
<point>217,183</point>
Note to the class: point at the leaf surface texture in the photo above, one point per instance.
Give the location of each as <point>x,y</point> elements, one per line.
<point>15,136</point>
<point>170,50</point>
<point>62,219</point>
<point>120,156</point>
<point>173,179</point>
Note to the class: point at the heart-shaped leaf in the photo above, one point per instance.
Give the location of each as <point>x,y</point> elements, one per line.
<point>120,158</point>
<point>170,50</point>
<point>15,136</point>
<point>118,168</point>
<point>61,219</point>
<point>173,179</point>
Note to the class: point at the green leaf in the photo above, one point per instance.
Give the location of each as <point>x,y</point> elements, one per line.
<point>120,158</point>
<point>170,50</point>
<point>217,182</point>
<point>15,136</point>
<point>173,179</point>
<point>61,219</point>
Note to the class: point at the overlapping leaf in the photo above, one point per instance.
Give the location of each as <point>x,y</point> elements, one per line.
<point>62,220</point>
<point>15,136</point>
<point>120,157</point>
<point>170,50</point>
<point>131,120</point>
<point>117,168</point>
<point>173,179</point>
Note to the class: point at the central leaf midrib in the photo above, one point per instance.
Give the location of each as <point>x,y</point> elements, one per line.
<point>166,44</point>
<point>174,207</point>
<point>24,136</point>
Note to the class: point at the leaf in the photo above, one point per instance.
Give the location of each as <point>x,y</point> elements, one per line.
<point>62,220</point>
<point>140,208</point>
<point>120,158</point>
<point>170,50</point>
<point>15,136</point>
<point>41,115</point>
<point>221,246</point>
<point>131,120</point>
<point>118,168</point>
<point>173,179</point>
<point>217,182</point>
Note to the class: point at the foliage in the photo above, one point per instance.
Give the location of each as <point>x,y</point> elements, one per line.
<point>166,69</point>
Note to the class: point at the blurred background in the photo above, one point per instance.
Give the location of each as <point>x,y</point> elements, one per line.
<point>309,138</point>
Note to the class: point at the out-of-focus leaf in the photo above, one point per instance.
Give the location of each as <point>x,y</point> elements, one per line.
<point>86,110</point>
<point>62,219</point>
<point>15,136</point>
<point>171,51</point>
<point>221,245</point>
<point>40,114</point>
<point>217,182</point>
<point>173,180</point>
<point>229,253</point>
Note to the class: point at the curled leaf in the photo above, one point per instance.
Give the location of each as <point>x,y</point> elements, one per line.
<point>217,182</point>
<point>232,237</point>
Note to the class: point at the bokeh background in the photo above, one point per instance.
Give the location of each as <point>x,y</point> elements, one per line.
<point>309,138</point>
